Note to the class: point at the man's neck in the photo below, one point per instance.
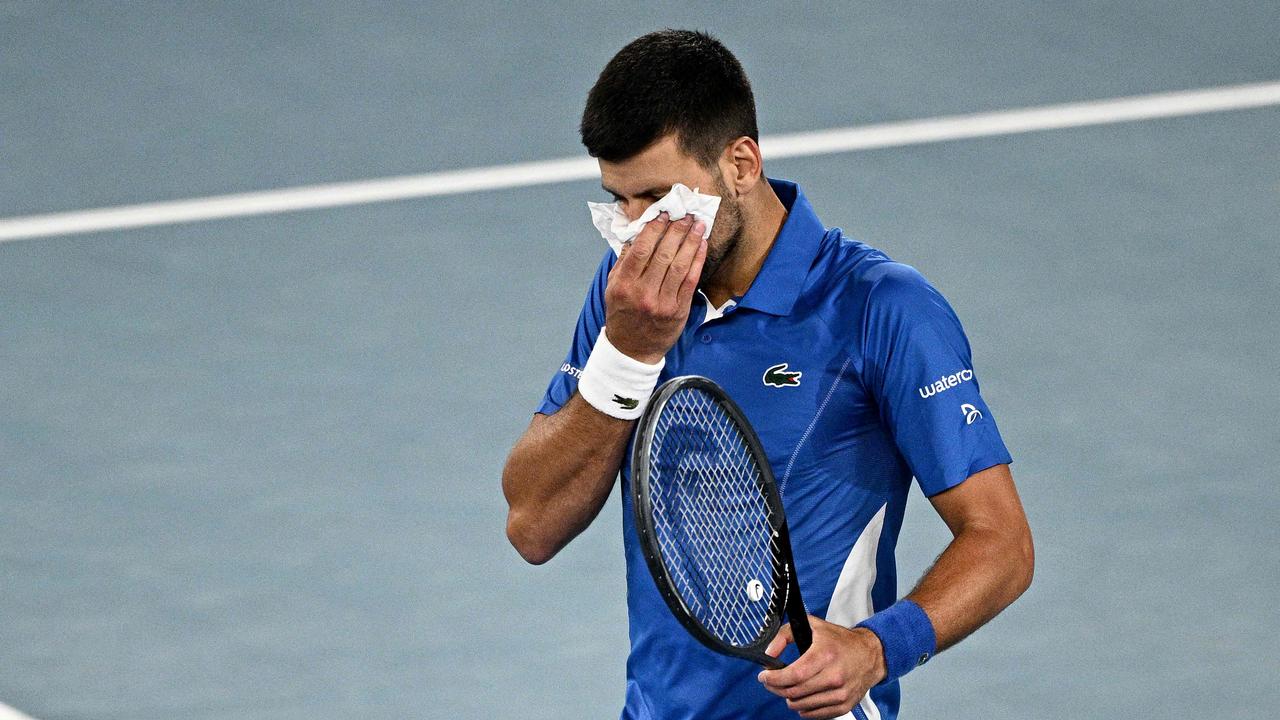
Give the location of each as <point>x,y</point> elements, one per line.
<point>762,220</point>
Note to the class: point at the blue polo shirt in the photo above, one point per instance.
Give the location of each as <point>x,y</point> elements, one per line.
<point>886,391</point>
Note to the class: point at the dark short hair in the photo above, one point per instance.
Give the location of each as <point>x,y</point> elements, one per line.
<point>680,81</point>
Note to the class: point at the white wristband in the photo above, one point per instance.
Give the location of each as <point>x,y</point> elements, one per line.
<point>616,384</point>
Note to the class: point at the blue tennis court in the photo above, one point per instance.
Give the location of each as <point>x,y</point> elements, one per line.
<point>249,466</point>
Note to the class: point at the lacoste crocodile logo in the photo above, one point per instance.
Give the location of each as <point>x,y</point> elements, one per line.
<point>779,376</point>
<point>626,402</point>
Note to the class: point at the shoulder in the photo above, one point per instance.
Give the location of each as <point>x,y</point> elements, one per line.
<point>857,278</point>
<point>873,303</point>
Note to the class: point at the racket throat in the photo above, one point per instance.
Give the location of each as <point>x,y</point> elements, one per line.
<point>801,633</point>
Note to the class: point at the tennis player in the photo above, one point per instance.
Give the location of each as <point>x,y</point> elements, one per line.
<point>854,370</point>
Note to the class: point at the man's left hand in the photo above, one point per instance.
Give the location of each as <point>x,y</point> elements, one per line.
<point>832,676</point>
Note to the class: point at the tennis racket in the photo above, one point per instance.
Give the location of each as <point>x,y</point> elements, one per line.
<point>711,523</point>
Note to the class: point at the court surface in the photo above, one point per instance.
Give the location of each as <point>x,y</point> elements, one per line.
<point>249,468</point>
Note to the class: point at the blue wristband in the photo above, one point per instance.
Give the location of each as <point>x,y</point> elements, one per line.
<point>906,634</point>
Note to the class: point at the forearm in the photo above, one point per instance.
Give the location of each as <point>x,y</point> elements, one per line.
<point>979,574</point>
<point>559,475</point>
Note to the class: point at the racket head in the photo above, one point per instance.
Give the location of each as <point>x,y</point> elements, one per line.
<point>710,519</point>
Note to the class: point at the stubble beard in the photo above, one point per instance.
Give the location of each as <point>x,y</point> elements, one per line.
<point>728,218</point>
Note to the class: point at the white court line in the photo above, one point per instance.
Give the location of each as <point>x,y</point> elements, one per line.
<point>8,713</point>
<point>497,177</point>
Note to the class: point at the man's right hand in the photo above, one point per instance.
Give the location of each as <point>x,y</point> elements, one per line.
<point>651,287</point>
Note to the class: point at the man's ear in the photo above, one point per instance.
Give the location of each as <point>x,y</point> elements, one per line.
<point>741,166</point>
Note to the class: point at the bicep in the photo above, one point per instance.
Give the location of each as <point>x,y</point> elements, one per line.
<point>987,500</point>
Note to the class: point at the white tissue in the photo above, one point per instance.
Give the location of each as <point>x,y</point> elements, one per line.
<point>617,230</point>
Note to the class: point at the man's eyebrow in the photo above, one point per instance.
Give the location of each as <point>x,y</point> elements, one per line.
<point>655,191</point>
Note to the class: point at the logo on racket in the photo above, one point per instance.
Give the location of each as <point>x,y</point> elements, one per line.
<point>626,402</point>
<point>755,590</point>
<point>779,376</point>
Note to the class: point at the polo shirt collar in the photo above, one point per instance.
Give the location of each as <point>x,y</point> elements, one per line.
<point>782,276</point>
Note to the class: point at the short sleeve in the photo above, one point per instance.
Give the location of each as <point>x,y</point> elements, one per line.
<point>565,381</point>
<point>919,368</point>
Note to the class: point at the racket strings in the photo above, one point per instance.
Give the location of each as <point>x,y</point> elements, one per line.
<point>713,525</point>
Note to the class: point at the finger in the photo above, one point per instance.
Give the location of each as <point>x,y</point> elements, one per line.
<point>692,277</point>
<point>827,681</point>
<point>665,252</point>
<point>779,642</point>
<point>618,264</point>
<point>819,700</point>
<point>642,245</point>
<point>680,264</point>
<point>794,674</point>
<point>829,712</point>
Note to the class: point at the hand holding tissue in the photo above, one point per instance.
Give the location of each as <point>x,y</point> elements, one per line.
<point>617,230</point>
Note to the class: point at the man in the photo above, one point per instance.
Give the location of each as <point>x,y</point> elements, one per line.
<point>854,370</point>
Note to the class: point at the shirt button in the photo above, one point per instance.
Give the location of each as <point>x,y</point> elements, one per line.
<point>706,338</point>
